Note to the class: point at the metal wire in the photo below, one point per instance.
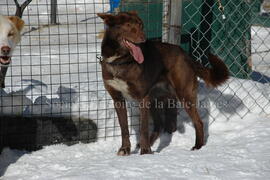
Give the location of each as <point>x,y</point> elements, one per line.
<point>56,72</point>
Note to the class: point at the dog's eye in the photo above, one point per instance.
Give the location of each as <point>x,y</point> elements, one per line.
<point>10,34</point>
<point>128,24</point>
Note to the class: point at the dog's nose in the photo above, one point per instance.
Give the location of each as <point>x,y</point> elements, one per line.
<point>5,50</point>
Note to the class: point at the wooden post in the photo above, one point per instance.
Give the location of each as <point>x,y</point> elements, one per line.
<point>172,20</point>
<point>165,21</point>
<point>53,11</point>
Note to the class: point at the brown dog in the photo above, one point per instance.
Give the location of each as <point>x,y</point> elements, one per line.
<point>145,71</point>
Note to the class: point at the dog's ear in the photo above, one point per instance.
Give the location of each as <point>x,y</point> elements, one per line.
<point>133,12</point>
<point>18,22</point>
<point>107,18</point>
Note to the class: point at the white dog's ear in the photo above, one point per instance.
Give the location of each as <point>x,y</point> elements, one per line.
<point>18,22</point>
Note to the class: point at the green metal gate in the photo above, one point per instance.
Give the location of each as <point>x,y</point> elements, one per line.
<point>222,27</point>
<point>223,31</point>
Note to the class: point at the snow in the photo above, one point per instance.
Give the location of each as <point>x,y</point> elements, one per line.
<point>260,49</point>
<point>236,149</point>
<point>64,79</point>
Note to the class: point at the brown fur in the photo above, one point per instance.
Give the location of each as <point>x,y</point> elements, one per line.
<point>166,73</point>
<point>18,22</point>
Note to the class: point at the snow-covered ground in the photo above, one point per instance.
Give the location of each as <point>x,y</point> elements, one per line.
<point>236,149</point>
<point>55,71</point>
<point>261,49</point>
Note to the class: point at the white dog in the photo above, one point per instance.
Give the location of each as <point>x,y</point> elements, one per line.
<point>10,29</point>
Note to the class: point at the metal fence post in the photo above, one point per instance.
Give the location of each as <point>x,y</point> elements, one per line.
<point>53,11</point>
<point>172,21</point>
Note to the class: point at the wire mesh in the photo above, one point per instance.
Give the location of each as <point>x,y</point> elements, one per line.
<point>237,31</point>
<point>54,89</point>
<point>55,72</point>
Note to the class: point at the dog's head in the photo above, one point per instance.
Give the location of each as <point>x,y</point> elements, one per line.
<point>127,29</point>
<point>10,28</point>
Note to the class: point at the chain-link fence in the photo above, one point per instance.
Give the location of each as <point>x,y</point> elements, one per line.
<point>54,89</point>
<point>55,73</point>
<point>238,32</point>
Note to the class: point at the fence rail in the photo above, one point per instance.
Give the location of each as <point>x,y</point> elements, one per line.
<point>55,70</point>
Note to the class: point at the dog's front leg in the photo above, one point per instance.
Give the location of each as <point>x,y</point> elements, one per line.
<point>144,130</point>
<point>121,110</point>
<point>3,76</point>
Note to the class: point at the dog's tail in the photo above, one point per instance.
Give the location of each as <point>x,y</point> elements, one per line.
<point>214,76</point>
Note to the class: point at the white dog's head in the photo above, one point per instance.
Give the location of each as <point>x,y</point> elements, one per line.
<point>10,28</point>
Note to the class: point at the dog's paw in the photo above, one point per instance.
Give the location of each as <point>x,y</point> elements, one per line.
<point>146,151</point>
<point>123,151</point>
<point>196,147</point>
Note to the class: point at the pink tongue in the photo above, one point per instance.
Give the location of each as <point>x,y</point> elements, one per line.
<point>136,52</point>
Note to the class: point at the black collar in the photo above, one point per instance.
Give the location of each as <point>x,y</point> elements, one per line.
<point>115,63</point>
<point>118,62</point>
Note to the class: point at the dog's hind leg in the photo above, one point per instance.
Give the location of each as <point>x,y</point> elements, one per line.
<point>170,124</point>
<point>191,109</point>
<point>186,91</point>
<point>164,115</point>
<point>157,122</point>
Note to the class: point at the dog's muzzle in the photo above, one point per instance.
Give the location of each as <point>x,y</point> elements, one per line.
<point>5,57</point>
<point>5,60</point>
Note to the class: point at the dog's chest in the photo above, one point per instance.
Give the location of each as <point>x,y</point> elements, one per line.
<point>125,79</point>
<point>120,85</point>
